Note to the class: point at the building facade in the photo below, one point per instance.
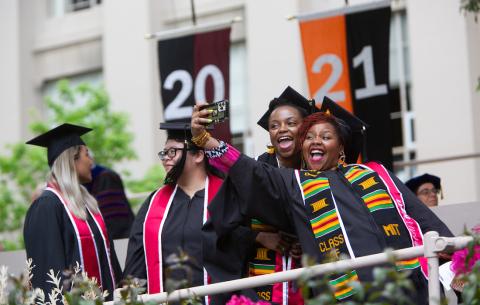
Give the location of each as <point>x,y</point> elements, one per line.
<point>434,67</point>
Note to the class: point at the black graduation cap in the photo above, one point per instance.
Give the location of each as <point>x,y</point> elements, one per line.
<point>414,183</point>
<point>60,138</point>
<point>357,128</point>
<point>292,96</point>
<point>177,130</point>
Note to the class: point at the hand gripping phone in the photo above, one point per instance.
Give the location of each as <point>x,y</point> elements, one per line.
<point>219,111</point>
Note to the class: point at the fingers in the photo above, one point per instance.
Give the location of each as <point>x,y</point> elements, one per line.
<point>200,116</point>
<point>199,119</point>
<point>296,251</point>
<point>295,255</point>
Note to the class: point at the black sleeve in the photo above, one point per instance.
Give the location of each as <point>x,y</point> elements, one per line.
<point>263,191</point>
<point>109,191</point>
<point>42,232</point>
<point>117,270</point>
<point>135,263</point>
<point>427,220</point>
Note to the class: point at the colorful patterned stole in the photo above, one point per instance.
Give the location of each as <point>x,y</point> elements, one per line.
<point>327,225</point>
<point>268,261</point>
<point>89,258</point>
<point>152,229</point>
<point>411,224</point>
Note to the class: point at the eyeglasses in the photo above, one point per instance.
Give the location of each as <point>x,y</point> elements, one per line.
<point>426,192</point>
<point>171,153</point>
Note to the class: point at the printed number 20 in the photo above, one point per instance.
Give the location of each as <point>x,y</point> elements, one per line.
<point>365,57</point>
<point>176,110</point>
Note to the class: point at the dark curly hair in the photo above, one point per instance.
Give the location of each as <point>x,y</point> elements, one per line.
<point>342,129</point>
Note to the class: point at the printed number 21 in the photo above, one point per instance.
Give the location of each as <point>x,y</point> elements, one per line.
<point>365,57</point>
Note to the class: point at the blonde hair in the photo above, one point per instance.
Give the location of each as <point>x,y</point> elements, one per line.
<point>64,174</point>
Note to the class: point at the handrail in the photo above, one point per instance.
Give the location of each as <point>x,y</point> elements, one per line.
<point>401,164</point>
<point>432,245</point>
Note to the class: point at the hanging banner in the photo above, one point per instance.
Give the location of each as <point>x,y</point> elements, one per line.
<point>346,58</point>
<point>195,67</point>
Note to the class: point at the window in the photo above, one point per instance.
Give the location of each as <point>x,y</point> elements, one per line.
<point>77,5</point>
<point>92,78</point>
<point>400,83</point>
<point>58,8</point>
<point>238,105</point>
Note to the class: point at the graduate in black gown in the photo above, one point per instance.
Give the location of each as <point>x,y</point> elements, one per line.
<point>335,208</point>
<point>107,187</point>
<point>171,218</point>
<point>272,251</point>
<point>63,225</point>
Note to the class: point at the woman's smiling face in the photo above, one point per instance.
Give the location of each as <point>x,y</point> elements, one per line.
<point>283,126</point>
<point>321,147</point>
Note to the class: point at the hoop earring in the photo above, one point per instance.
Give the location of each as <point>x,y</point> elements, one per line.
<point>341,159</point>
<point>270,149</point>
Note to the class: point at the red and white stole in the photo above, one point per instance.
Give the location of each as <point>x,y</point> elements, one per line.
<point>89,258</point>
<point>152,229</point>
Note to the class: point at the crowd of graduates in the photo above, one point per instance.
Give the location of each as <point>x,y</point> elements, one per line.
<point>234,216</point>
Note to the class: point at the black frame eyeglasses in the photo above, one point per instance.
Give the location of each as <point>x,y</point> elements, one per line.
<point>171,153</point>
<point>426,192</point>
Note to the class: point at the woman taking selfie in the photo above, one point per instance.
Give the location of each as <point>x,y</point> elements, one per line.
<point>335,208</point>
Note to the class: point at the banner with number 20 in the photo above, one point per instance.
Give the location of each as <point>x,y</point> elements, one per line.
<point>195,68</point>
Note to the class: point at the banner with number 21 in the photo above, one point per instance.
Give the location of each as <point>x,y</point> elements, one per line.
<point>346,58</point>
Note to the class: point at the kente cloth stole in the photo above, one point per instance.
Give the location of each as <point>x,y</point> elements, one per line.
<point>268,261</point>
<point>327,227</point>
<point>152,230</point>
<point>411,224</point>
<point>89,259</point>
<point>327,224</point>
<point>386,212</point>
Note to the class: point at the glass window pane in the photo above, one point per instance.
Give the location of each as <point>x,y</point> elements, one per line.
<point>412,128</point>
<point>238,75</point>
<point>395,100</point>
<point>397,132</point>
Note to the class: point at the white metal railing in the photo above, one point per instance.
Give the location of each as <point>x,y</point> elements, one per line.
<point>433,244</point>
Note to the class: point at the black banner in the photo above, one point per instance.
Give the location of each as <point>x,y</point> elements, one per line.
<point>368,43</point>
<point>195,68</point>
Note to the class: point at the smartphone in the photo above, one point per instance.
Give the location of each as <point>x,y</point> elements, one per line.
<point>219,111</point>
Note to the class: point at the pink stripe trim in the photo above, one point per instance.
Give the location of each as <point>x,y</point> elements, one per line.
<point>277,289</point>
<point>106,242</point>
<point>88,252</point>
<point>152,231</point>
<point>411,224</point>
<point>226,161</point>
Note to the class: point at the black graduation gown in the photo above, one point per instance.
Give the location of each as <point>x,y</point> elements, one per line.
<point>181,230</point>
<point>273,196</point>
<point>269,159</point>
<point>51,242</point>
<point>107,187</point>
<point>227,252</point>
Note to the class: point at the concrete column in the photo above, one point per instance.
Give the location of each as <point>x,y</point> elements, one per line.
<point>443,94</point>
<point>10,96</point>
<point>274,59</point>
<point>131,76</point>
